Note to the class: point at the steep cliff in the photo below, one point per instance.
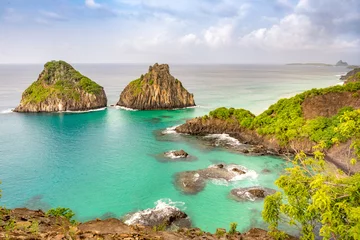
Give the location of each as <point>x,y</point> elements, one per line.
<point>294,124</point>
<point>352,76</point>
<point>157,89</point>
<point>61,88</point>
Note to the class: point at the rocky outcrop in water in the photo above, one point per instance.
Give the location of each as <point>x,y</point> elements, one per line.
<point>341,63</point>
<point>157,89</point>
<point>192,182</point>
<point>61,88</point>
<point>251,193</point>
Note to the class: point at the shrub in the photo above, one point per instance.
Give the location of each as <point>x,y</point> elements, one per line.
<point>233,226</point>
<point>62,212</point>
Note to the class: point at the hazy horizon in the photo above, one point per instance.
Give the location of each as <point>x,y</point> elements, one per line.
<point>182,32</point>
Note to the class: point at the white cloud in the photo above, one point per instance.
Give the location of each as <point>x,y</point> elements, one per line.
<point>218,35</point>
<point>189,39</point>
<point>92,4</point>
<point>52,15</point>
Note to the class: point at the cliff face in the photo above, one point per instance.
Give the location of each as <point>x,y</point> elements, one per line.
<point>199,126</point>
<point>352,76</point>
<point>157,89</point>
<point>328,105</point>
<point>61,88</point>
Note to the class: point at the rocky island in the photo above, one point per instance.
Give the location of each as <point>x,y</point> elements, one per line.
<point>157,89</point>
<point>293,125</point>
<point>61,88</point>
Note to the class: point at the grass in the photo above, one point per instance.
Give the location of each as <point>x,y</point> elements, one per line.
<point>59,79</point>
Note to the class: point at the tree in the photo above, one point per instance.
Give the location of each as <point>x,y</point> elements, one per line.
<point>316,201</point>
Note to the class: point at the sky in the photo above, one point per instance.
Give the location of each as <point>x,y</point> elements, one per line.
<point>180,31</point>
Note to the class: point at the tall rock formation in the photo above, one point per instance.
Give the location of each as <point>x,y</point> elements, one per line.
<point>157,89</point>
<point>61,88</point>
<point>341,63</point>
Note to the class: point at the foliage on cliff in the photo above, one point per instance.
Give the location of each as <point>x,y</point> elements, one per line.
<point>59,79</point>
<point>285,120</point>
<point>312,197</point>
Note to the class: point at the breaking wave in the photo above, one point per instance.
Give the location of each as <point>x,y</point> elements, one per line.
<point>223,139</point>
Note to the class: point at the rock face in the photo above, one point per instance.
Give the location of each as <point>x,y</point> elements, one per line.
<point>251,193</point>
<point>329,104</point>
<point>192,182</point>
<point>157,89</point>
<point>176,154</point>
<point>341,63</point>
<point>61,88</point>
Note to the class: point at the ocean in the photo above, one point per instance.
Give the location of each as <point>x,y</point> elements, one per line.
<point>109,162</point>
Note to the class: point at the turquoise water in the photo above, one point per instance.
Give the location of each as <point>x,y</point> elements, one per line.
<point>106,161</point>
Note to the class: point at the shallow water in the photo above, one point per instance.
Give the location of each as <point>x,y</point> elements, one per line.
<point>108,161</point>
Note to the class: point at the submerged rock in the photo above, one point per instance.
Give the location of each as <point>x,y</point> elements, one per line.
<point>61,88</point>
<point>164,215</point>
<point>192,182</point>
<point>251,193</point>
<point>157,89</point>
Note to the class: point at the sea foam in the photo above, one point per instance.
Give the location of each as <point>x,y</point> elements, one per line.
<point>223,138</point>
<point>10,110</point>
<point>125,108</point>
<point>86,111</point>
<point>170,130</point>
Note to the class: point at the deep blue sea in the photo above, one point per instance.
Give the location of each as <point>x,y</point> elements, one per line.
<point>107,162</point>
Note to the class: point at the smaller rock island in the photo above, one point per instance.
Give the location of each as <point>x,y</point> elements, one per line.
<point>61,88</point>
<point>156,90</point>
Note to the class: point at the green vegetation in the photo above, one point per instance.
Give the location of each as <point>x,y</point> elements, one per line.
<point>233,227</point>
<point>313,197</point>
<point>34,227</point>
<point>62,212</point>
<point>136,86</point>
<point>244,117</point>
<point>160,227</point>
<point>285,120</point>
<point>220,232</point>
<point>59,79</point>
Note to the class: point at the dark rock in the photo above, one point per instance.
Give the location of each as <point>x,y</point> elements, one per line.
<point>192,182</point>
<point>238,171</point>
<point>157,89</point>
<point>251,193</point>
<point>176,154</point>
<point>266,171</point>
<point>181,153</point>
<point>165,215</point>
<point>341,63</point>
<point>61,88</point>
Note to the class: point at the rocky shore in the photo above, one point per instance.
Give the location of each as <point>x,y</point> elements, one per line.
<point>157,89</point>
<point>22,223</point>
<point>61,88</point>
